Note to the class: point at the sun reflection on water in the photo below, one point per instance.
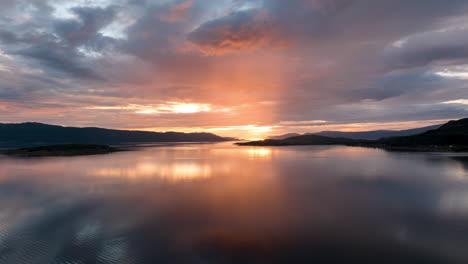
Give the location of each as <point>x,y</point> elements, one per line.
<point>245,202</point>
<point>177,171</point>
<point>259,153</point>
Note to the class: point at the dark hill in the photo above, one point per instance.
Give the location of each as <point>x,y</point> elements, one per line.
<point>285,136</point>
<point>453,133</point>
<point>301,140</point>
<point>35,134</point>
<point>377,134</point>
<point>369,135</point>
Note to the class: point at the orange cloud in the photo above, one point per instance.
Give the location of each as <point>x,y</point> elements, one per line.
<point>177,13</point>
<point>165,108</point>
<point>238,32</point>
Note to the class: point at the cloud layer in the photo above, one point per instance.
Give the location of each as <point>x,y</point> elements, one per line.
<point>246,63</point>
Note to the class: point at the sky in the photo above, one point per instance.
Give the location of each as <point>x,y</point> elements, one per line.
<point>244,68</point>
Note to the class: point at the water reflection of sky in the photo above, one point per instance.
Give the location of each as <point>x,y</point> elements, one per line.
<point>218,203</point>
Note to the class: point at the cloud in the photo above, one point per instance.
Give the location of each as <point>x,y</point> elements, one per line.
<point>344,61</point>
<point>304,123</point>
<point>64,45</point>
<point>154,39</point>
<point>164,108</point>
<point>445,46</point>
<point>177,13</point>
<point>87,25</point>
<point>241,31</point>
<point>458,101</point>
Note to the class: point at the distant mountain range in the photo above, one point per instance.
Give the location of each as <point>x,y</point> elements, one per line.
<point>452,136</point>
<point>371,135</point>
<point>301,140</point>
<point>36,134</point>
<point>378,134</point>
<point>285,136</point>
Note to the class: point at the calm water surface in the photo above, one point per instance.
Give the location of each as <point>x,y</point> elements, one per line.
<point>218,203</point>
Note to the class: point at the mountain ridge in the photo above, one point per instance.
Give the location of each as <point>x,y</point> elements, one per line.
<point>34,134</point>
<point>370,135</point>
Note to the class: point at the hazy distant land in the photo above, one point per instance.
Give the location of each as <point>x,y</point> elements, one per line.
<point>370,135</point>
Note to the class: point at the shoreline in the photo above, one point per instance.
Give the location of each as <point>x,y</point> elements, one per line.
<point>451,149</point>
<point>65,150</point>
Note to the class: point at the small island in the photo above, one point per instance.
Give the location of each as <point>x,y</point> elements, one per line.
<point>61,150</point>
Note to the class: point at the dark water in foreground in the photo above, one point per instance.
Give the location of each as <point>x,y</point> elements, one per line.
<point>218,203</point>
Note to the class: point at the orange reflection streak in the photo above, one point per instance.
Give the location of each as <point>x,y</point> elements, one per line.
<point>349,153</point>
<point>259,153</point>
<point>178,171</point>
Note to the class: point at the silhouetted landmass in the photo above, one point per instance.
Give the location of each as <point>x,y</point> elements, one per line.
<point>62,150</point>
<point>452,136</point>
<point>285,136</point>
<point>301,140</point>
<point>377,134</point>
<point>370,135</point>
<point>37,134</point>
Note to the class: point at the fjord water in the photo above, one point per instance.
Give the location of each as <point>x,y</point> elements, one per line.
<point>219,203</point>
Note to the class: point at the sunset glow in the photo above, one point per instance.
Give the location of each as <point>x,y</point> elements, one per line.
<point>247,69</point>
<point>182,171</point>
<point>233,131</point>
<point>171,107</point>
